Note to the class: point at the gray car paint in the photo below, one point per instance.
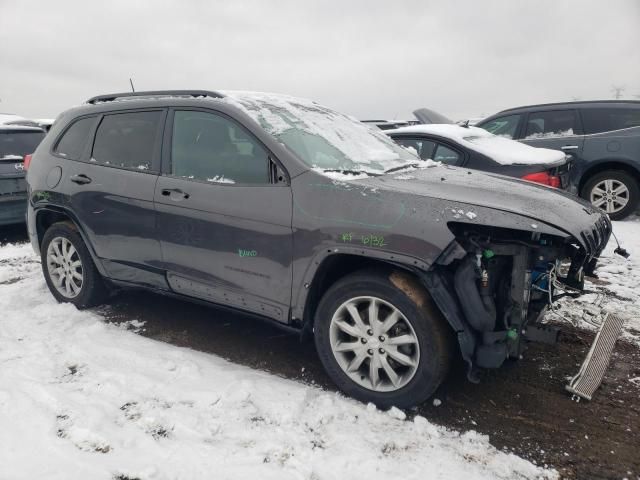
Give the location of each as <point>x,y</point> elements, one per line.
<point>293,226</point>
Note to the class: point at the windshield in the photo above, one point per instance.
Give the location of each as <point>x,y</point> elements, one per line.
<point>19,143</point>
<point>322,138</point>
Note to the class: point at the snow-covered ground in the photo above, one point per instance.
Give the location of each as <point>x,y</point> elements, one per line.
<point>82,398</point>
<point>618,285</point>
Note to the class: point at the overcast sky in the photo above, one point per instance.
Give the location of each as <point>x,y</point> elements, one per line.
<point>372,59</point>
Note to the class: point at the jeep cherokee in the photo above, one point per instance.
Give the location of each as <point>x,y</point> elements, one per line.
<point>283,208</point>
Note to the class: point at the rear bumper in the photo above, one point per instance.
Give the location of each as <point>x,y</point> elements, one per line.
<point>13,208</point>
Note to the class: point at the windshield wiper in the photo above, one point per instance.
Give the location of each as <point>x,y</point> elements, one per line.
<point>351,172</point>
<point>402,167</point>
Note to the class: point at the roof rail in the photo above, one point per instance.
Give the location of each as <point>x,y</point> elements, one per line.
<point>573,102</point>
<point>154,93</point>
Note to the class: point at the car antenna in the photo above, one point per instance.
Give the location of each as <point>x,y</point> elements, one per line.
<point>131,82</point>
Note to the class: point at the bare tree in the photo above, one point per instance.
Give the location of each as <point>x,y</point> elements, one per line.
<point>617,91</point>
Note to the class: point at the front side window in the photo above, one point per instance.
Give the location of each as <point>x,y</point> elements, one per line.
<point>419,147</point>
<point>503,126</point>
<point>557,123</point>
<point>73,141</point>
<point>446,155</point>
<point>127,140</point>
<point>597,120</point>
<point>211,148</point>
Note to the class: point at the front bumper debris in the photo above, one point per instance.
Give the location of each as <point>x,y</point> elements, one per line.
<point>589,378</point>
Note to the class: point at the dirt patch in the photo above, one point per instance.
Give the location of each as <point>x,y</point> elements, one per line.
<point>522,407</point>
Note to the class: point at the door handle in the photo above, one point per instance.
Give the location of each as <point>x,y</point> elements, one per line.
<point>174,193</point>
<point>570,147</point>
<point>80,179</point>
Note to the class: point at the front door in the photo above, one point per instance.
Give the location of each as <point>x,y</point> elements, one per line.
<point>224,223</point>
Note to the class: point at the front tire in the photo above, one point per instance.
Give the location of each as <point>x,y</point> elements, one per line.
<point>68,267</point>
<point>382,340</point>
<point>614,191</point>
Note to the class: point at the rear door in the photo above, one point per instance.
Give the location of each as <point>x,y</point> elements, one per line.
<point>224,219</point>
<point>111,183</point>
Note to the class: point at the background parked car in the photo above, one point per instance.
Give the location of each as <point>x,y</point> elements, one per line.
<point>475,148</point>
<point>16,141</point>
<point>602,136</point>
<point>423,116</point>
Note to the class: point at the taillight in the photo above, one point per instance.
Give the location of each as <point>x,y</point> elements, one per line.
<point>544,178</point>
<point>27,161</point>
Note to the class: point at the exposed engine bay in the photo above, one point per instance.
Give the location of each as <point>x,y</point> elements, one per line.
<point>496,285</point>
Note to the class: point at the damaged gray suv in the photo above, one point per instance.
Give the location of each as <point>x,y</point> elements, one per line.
<point>280,207</point>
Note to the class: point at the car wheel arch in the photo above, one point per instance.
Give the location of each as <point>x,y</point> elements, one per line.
<point>47,216</point>
<point>331,267</point>
<point>608,164</point>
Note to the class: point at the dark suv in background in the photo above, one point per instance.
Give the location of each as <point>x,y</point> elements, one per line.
<point>286,209</point>
<point>602,136</point>
<point>16,141</point>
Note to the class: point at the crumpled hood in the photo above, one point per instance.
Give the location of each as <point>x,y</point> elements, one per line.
<point>551,206</point>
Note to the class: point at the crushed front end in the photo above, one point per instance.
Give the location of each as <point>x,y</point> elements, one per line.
<point>494,284</point>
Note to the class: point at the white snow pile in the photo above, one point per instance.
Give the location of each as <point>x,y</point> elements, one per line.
<point>320,136</point>
<point>503,150</point>
<point>617,285</point>
<point>84,399</point>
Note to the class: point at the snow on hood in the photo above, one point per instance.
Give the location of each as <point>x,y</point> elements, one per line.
<point>503,150</point>
<point>321,137</point>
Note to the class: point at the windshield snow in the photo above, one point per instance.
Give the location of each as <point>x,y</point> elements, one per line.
<point>323,138</point>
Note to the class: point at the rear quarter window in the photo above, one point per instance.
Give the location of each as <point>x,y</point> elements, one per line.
<point>74,140</point>
<point>598,120</point>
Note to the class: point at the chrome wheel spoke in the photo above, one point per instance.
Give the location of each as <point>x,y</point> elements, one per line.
<point>393,376</point>
<point>348,328</point>
<point>599,203</point>
<point>357,319</point>
<point>400,357</point>
<point>374,374</point>
<point>402,340</point>
<point>348,347</point>
<point>355,363</point>
<point>390,321</point>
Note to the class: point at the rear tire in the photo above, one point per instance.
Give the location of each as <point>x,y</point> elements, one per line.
<point>68,267</point>
<point>387,362</point>
<point>614,191</point>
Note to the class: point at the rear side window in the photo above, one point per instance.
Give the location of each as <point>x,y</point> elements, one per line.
<point>556,123</point>
<point>422,148</point>
<point>127,140</point>
<point>75,138</point>
<point>19,144</point>
<point>503,126</point>
<point>597,120</point>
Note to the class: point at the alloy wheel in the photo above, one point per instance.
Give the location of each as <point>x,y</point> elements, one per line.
<point>65,267</point>
<point>610,195</point>
<point>374,344</point>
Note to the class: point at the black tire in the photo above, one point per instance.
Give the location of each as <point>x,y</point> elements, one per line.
<point>620,176</point>
<point>435,338</point>
<point>92,290</point>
